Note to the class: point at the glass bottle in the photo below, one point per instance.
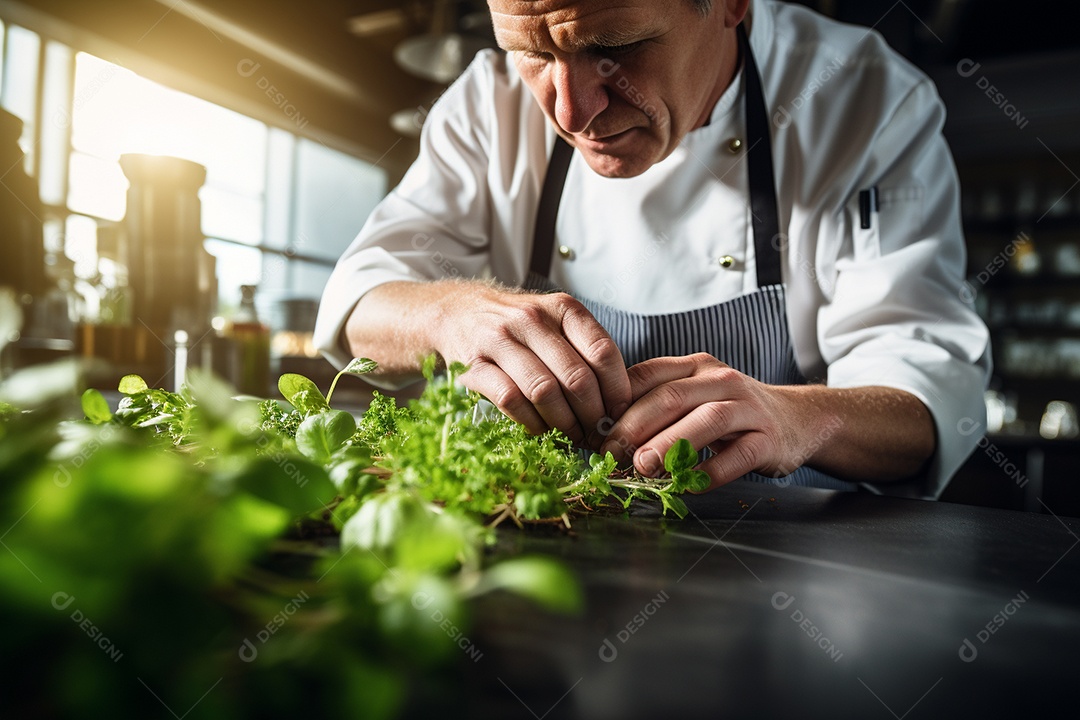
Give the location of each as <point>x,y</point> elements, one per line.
<point>250,341</point>
<point>115,290</point>
<point>61,307</point>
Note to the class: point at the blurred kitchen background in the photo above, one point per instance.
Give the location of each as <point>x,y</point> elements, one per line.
<point>179,177</point>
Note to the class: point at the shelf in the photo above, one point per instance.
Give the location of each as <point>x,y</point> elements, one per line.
<point>1051,382</point>
<point>1006,280</point>
<point>1012,225</point>
<point>1051,332</point>
<point>1028,440</point>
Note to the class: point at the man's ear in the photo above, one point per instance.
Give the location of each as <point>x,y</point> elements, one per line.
<point>734,12</point>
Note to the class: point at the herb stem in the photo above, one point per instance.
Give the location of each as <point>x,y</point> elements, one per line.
<point>447,421</point>
<point>631,485</point>
<point>502,516</point>
<point>333,385</point>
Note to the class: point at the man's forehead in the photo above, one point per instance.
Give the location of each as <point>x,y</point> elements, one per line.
<point>538,7</point>
<point>570,22</point>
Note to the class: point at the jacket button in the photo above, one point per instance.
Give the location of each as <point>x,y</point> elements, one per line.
<point>565,252</point>
<point>734,145</point>
<point>727,261</point>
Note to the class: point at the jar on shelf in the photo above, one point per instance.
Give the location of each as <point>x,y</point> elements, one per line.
<point>294,327</point>
<point>1025,259</point>
<point>242,348</point>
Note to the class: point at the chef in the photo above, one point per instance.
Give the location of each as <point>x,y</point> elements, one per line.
<point>733,222</point>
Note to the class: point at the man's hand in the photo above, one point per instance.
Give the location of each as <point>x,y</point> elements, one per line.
<point>541,359</point>
<point>875,434</point>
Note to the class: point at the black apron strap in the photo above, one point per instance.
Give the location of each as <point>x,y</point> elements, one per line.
<point>548,212</point>
<point>763,205</point>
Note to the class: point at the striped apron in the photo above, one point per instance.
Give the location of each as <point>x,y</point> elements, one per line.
<point>749,333</point>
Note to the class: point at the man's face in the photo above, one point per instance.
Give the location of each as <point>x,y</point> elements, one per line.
<point>623,82</point>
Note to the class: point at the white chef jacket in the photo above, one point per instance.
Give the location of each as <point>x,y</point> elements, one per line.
<point>878,306</point>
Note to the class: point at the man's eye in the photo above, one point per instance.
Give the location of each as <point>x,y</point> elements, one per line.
<point>622,50</point>
<point>534,55</point>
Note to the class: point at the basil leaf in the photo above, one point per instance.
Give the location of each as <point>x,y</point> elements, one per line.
<point>681,456</point>
<point>381,521</point>
<point>211,393</point>
<point>361,366</point>
<point>696,480</point>
<point>289,482</point>
<point>542,580</point>
<point>38,385</point>
<point>303,394</point>
<point>95,407</point>
<point>675,504</point>
<point>320,436</point>
<point>131,384</point>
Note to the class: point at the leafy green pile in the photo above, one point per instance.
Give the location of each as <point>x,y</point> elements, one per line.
<point>182,551</point>
<point>454,449</point>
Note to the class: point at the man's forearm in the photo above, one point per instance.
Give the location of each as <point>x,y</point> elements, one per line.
<point>392,325</point>
<point>875,434</point>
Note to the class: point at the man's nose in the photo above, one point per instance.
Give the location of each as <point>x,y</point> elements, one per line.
<point>580,93</point>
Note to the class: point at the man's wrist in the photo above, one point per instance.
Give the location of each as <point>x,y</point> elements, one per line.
<point>873,433</point>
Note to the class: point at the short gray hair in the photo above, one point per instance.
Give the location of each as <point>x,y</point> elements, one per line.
<point>703,6</point>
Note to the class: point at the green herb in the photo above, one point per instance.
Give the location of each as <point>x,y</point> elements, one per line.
<point>177,527</point>
<point>358,366</point>
<point>96,407</point>
<point>455,449</point>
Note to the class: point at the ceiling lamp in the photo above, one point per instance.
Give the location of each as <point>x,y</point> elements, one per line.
<point>439,58</point>
<point>442,54</point>
<point>407,122</point>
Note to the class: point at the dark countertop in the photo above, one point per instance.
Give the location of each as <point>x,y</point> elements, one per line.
<point>794,602</point>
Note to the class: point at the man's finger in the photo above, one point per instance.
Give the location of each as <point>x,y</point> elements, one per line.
<point>741,456</point>
<point>540,387</point>
<point>701,426</point>
<point>585,361</point>
<point>577,380</point>
<point>490,381</point>
<point>661,407</point>
<point>650,374</point>
<point>596,348</point>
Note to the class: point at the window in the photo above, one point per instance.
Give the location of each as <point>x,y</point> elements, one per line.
<point>277,209</point>
<point>18,91</point>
